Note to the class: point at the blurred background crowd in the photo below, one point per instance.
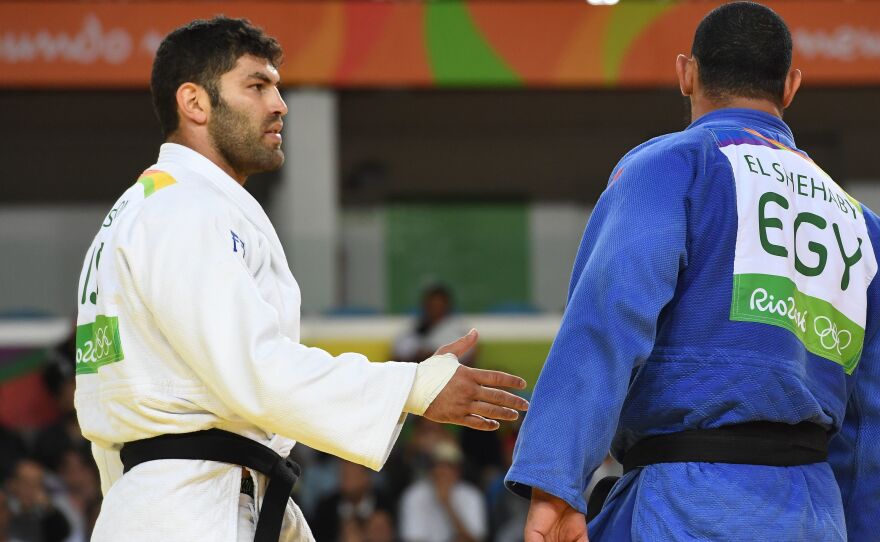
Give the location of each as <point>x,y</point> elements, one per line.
<point>441,483</point>
<point>443,158</point>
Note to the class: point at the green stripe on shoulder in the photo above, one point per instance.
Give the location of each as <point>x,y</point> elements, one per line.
<point>154,180</point>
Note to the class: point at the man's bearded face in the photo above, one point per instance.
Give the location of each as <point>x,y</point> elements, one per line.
<point>242,137</point>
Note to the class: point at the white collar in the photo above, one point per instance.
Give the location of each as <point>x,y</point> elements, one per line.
<point>204,168</point>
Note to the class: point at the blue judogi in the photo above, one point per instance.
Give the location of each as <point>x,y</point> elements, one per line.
<point>654,341</point>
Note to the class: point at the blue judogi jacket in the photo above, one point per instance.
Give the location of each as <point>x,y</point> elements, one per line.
<point>706,292</point>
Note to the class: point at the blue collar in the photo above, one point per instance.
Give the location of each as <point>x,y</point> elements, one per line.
<point>751,118</point>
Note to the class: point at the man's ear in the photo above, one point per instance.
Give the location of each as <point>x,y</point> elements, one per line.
<point>686,70</point>
<point>193,103</point>
<point>792,84</point>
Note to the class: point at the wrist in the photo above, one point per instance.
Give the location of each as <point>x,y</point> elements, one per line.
<point>432,375</point>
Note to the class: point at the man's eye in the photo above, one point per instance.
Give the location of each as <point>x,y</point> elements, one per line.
<point>258,86</point>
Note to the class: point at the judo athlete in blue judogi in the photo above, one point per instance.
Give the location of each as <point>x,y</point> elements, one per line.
<point>721,334</point>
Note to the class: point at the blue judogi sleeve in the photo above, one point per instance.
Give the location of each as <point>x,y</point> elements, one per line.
<point>855,451</point>
<point>625,272</point>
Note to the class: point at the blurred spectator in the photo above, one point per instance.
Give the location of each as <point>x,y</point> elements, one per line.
<point>81,492</point>
<point>12,449</point>
<point>435,327</point>
<point>343,516</point>
<point>443,508</point>
<point>320,478</point>
<point>35,517</point>
<point>5,517</point>
<point>419,449</point>
<point>412,458</point>
<point>64,434</point>
<point>507,512</point>
<point>379,527</point>
<point>79,477</point>
<point>484,456</point>
<point>92,517</point>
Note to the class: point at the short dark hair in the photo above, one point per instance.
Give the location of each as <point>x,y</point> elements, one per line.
<point>743,49</point>
<point>200,52</point>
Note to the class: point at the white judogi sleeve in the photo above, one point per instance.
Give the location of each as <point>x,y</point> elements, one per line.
<point>207,305</point>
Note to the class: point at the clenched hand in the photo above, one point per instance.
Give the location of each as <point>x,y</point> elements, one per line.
<point>551,519</point>
<point>471,397</point>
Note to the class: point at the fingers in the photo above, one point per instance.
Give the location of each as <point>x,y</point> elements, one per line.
<point>461,346</point>
<point>487,410</point>
<point>465,401</point>
<point>498,379</point>
<point>502,398</point>
<point>479,423</point>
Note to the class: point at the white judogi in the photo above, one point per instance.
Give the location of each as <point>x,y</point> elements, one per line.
<point>189,320</point>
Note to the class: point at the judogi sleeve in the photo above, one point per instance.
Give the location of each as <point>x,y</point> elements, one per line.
<point>625,271</point>
<point>208,306</point>
<point>854,453</point>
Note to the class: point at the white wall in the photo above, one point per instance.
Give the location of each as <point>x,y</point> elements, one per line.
<point>364,260</point>
<point>867,192</point>
<point>305,206</point>
<point>41,253</point>
<point>556,230</point>
<point>42,249</point>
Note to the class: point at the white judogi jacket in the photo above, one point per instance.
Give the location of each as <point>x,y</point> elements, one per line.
<point>189,320</point>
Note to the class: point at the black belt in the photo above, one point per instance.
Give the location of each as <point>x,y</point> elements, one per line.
<point>754,443</point>
<point>225,447</point>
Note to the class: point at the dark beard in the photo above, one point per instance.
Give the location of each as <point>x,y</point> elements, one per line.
<point>241,146</point>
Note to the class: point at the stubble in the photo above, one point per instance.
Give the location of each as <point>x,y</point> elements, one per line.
<point>241,143</point>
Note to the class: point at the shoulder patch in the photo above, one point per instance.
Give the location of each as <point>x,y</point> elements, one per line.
<point>154,180</point>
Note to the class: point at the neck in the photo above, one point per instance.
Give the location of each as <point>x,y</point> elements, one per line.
<point>209,151</point>
<point>700,105</point>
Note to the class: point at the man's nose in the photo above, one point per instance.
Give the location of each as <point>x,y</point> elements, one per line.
<point>278,105</point>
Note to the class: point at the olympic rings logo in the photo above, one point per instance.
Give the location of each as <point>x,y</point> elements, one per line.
<point>830,337</point>
<point>93,351</point>
<point>103,344</point>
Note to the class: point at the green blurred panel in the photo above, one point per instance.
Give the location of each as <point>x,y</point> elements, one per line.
<point>458,52</point>
<point>522,358</point>
<point>480,250</point>
<point>18,363</point>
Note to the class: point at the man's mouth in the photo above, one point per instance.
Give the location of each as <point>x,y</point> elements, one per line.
<point>274,132</point>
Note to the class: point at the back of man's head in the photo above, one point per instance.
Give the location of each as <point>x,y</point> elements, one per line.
<point>200,52</point>
<point>743,50</point>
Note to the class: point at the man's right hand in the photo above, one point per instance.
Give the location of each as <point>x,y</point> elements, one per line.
<point>471,397</point>
<point>551,519</point>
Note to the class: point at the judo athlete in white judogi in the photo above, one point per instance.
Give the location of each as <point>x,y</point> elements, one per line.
<point>189,324</point>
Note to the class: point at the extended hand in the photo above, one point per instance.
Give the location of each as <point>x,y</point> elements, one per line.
<point>470,398</point>
<point>552,520</point>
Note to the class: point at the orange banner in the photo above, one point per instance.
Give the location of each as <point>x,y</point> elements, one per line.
<point>469,43</point>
